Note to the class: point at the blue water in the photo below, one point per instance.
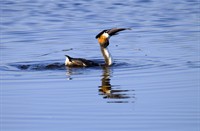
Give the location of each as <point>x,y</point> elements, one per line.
<point>153,84</point>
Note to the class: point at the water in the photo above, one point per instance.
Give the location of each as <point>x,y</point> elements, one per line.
<point>153,85</point>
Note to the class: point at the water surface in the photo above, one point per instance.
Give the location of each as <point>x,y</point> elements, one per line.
<point>153,85</point>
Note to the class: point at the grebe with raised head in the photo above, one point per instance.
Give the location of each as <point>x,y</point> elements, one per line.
<point>103,39</point>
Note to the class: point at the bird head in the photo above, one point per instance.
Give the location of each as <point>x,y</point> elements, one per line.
<point>103,36</point>
<point>103,39</point>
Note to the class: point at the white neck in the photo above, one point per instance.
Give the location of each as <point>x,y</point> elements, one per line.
<point>107,56</point>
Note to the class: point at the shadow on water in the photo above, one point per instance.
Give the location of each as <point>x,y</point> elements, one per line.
<point>39,65</point>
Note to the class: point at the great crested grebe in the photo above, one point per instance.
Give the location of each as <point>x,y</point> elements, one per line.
<point>103,39</point>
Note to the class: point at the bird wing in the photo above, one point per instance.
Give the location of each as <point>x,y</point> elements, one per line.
<point>78,62</point>
<point>114,31</point>
<point>83,62</point>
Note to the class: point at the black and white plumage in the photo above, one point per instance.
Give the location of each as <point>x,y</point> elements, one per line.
<point>103,40</point>
<point>79,62</point>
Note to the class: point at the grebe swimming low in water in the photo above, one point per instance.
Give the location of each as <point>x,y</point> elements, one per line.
<point>103,39</point>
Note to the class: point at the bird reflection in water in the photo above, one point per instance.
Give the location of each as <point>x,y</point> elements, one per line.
<point>69,73</point>
<point>112,93</point>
